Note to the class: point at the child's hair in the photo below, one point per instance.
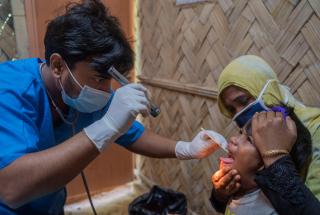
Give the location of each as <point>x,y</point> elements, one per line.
<point>302,149</point>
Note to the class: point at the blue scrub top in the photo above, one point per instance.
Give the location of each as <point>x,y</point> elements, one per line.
<point>26,126</point>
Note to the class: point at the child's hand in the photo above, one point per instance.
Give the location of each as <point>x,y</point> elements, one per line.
<point>226,181</point>
<point>271,131</point>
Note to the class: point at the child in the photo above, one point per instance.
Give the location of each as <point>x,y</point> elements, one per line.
<point>244,157</point>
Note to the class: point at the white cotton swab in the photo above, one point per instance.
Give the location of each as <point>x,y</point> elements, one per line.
<point>217,142</point>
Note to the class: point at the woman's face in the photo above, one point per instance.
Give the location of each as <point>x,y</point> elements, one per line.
<point>235,99</point>
<point>246,158</point>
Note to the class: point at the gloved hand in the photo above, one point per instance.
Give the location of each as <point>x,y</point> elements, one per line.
<point>128,101</point>
<point>201,146</point>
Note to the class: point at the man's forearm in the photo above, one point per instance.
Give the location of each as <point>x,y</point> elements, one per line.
<point>153,145</point>
<point>37,174</point>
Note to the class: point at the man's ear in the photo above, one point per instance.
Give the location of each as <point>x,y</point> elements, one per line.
<point>56,65</point>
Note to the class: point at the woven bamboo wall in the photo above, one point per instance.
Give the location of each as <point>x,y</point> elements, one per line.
<point>7,34</point>
<point>182,51</point>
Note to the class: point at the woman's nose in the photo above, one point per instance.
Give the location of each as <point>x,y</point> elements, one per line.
<point>240,108</point>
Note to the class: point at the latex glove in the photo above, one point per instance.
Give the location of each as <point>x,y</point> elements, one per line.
<point>201,146</point>
<point>127,102</point>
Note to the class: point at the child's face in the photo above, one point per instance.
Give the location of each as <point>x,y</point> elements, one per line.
<point>241,148</point>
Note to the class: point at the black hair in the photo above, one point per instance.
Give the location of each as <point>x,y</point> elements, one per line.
<point>87,31</point>
<point>302,149</point>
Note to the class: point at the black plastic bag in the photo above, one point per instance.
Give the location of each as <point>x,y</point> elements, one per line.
<point>159,201</point>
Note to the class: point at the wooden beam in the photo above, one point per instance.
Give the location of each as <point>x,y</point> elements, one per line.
<point>180,87</point>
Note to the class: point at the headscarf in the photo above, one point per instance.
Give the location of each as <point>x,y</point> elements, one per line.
<point>251,73</point>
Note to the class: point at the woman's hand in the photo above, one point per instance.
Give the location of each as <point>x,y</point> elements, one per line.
<point>226,181</point>
<point>271,131</point>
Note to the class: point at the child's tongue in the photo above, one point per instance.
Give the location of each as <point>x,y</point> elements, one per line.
<point>225,161</point>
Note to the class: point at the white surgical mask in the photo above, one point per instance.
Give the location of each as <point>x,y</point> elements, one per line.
<point>89,99</point>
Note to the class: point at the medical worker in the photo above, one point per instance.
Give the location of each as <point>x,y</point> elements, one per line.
<point>59,114</point>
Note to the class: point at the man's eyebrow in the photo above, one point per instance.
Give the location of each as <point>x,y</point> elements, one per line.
<point>99,75</point>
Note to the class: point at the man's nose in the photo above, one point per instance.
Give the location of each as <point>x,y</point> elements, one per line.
<point>105,86</point>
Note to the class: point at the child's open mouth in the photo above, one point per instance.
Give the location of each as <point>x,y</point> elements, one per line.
<point>227,160</point>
